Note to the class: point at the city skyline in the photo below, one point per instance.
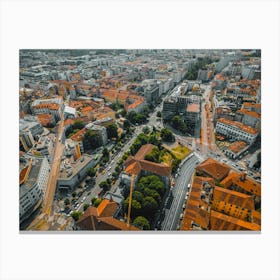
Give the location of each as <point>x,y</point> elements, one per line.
<point>140,140</point>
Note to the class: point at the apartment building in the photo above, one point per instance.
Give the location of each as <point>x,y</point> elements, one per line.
<point>236,130</point>
<point>33,180</point>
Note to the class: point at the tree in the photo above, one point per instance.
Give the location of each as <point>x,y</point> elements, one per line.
<point>86,206</point>
<point>97,202</point>
<point>146,130</point>
<point>149,206</point>
<point>93,200</point>
<point>76,215</point>
<point>112,131</point>
<point>138,196</point>
<point>178,123</point>
<point>167,135</point>
<point>74,194</point>
<point>91,172</point>
<point>104,185</point>
<point>153,193</point>
<point>153,155</point>
<point>91,140</point>
<point>105,152</point>
<point>158,114</point>
<point>136,207</point>
<point>67,202</point>
<point>141,222</point>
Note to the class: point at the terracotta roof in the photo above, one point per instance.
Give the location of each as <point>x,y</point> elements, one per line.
<point>251,105</point>
<point>45,119</point>
<point>214,169</point>
<point>233,197</point>
<point>101,218</point>
<point>107,208</point>
<point>196,210</point>
<point>143,151</point>
<point>161,169</point>
<point>239,125</point>
<point>246,184</point>
<point>221,221</point>
<point>237,146</point>
<point>68,121</point>
<point>86,109</point>
<point>133,168</point>
<point>135,104</point>
<point>249,113</point>
<point>135,164</point>
<point>193,108</point>
<point>51,106</point>
<point>78,136</point>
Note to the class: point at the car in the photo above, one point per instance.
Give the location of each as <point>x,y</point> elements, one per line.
<point>109,174</point>
<point>77,206</point>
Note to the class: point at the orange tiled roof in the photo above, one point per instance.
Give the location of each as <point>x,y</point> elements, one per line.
<point>51,106</point>
<point>239,125</point>
<point>193,108</point>
<point>233,197</point>
<point>251,105</point>
<point>247,184</point>
<point>67,122</point>
<point>106,208</point>
<point>249,113</point>
<point>196,210</point>
<point>221,221</point>
<point>135,164</point>
<point>135,104</point>
<point>237,146</point>
<point>143,151</point>
<point>45,119</point>
<point>78,136</point>
<point>214,169</point>
<point>101,218</point>
<point>87,109</point>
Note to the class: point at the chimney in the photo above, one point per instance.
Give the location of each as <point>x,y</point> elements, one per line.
<point>243,176</point>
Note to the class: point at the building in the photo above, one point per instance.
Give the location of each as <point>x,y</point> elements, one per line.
<point>205,75</point>
<point>249,118</point>
<point>28,130</point>
<point>69,113</point>
<point>169,108</point>
<point>29,124</point>
<point>46,119</point>
<point>102,218</point>
<point>104,121</point>
<point>72,171</point>
<point>223,112</point>
<point>220,199</point>
<point>33,180</point>
<point>138,166</point>
<point>26,140</point>
<point>101,132</point>
<point>52,106</point>
<point>151,93</point>
<point>236,149</point>
<point>44,146</point>
<point>236,131</point>
<point>213,169</point>
<point>192,119</point>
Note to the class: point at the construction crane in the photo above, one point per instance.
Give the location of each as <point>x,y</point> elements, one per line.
<point>130,200</point>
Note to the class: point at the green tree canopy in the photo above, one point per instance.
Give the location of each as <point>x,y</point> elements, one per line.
<point>76,215</point>
<point>112,131</point>
<point>142,223</point>
<point>167,135</point>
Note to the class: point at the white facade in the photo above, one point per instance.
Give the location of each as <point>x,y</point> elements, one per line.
<point>235,132</point>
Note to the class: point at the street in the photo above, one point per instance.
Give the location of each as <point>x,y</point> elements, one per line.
<point>179,191</point>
